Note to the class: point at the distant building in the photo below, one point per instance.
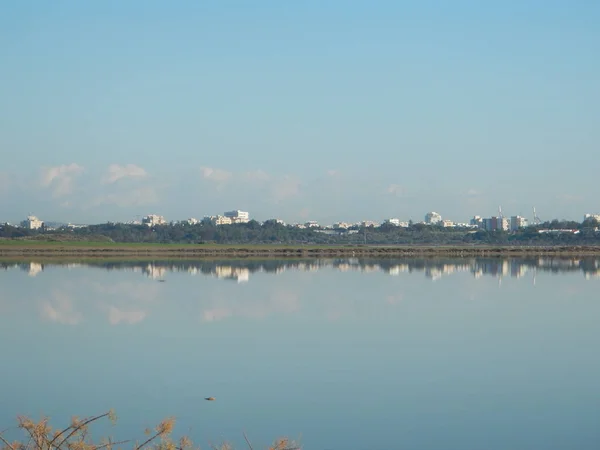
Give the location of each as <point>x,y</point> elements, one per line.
<point>476,221</point>
<point>432,218</point>
<point>496,223</point>
<point>595,217</point>
<point>517,222</point>
<point>218,220</point>
<point>311,224</point>
<point>396,222</point>
<point>153,220</point>
<point>238,216</point>
<point>32,223</point>
<point>447,223</point>
<point>341,225</point>
<point>368,223</point>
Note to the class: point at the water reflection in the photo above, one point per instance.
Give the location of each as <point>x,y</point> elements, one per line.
<point>351,353</point>
<point>240,270</point>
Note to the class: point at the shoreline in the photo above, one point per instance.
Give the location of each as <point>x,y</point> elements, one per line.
<point>103,250</point>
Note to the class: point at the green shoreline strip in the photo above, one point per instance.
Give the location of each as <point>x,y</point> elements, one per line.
<point>12,248</point>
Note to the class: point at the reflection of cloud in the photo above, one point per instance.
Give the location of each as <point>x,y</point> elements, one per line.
<point>116,316</point>
<point>128,301</point>
<point>280,301</point>
<point>60,309</point>
<point>393,299</point>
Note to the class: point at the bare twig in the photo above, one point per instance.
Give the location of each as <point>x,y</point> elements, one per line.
<point>150,439</point>
<point>108,444</point>
<point>78,427</point>
<point>8,444</point>
<point>247,441</point>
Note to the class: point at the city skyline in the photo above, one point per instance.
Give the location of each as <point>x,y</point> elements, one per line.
<point>238,216</point>
<point>304,110</point>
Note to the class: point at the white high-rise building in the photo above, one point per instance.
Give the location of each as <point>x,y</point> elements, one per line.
<point>32,223</point>
<point>517,222</point>
<point>432,218</point>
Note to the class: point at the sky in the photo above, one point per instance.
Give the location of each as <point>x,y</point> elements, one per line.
<point>338,110</point>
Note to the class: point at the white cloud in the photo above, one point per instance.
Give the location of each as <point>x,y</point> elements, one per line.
<point>257,175</point>
<point>569,198</point>
<point>285,187</point>
<point>60,178</point>
<point>116,172</point>
<point>60,309</point>
<point>216,175</point>
<point>146,195</point>
<point>396,189</point>
<point>4,182</point>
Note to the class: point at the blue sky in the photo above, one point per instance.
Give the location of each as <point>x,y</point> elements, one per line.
<point>338,110</point>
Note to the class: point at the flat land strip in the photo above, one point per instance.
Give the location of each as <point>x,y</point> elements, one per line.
<point>21,248</point>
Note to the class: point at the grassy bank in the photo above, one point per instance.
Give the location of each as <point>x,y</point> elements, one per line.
<point>15,248</point>
<point>41,435</point>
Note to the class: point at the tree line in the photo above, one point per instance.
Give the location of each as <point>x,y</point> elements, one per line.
<point>271,232</point>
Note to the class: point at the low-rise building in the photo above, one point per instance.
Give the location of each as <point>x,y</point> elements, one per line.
<point>218,220</point>
<point>238,216</point>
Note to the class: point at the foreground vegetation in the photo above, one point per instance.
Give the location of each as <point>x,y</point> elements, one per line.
<point>76,436</point>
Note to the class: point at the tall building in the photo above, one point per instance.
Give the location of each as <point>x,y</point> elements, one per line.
<point>432,218</point>
<point>32,223</point>
<point>517,222</point>
<point>476,221</point>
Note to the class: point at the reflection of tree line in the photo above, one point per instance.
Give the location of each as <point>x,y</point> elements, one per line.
<point>240,270</point>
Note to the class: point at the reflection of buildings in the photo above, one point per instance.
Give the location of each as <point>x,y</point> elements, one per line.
<point>33,268</point>
<point>432,268</point>
<point>240,274</point>
<point>155,272</point>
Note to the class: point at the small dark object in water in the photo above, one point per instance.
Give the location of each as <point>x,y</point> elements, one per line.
<point>210,399</point>
<point>161,281</point>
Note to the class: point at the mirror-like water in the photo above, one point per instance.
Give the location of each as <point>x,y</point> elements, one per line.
<point>348,354</point>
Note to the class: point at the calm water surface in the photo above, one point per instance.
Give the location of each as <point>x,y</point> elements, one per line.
<point>345,354</point>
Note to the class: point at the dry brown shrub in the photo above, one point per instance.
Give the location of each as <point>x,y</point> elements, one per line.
<point>42,436</point>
